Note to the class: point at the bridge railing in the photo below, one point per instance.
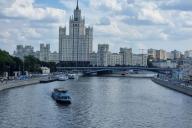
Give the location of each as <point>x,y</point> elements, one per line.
<point>112,68</point>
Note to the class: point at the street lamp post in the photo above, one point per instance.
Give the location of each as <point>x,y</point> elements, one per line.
<point>23,65</point>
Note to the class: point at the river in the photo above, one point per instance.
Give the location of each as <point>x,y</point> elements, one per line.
<point>97,102</point>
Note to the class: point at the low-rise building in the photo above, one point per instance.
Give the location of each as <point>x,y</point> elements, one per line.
<point>45,70</point>
<point>165,64</point>
<point>186,69</point>
<point>177,75</point>
<point>188,54</point>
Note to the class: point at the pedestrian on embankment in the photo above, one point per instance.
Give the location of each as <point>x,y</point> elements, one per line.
<point>2,80</point>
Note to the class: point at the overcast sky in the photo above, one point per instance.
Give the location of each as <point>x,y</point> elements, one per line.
<point>160,24</point>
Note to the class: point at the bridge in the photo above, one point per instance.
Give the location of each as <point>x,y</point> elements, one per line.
<point>89,70</point>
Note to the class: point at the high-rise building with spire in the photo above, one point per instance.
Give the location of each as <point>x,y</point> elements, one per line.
<point>75,48</point>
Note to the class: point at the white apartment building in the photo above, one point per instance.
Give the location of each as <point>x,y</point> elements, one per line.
<point>152,53</point>
<point>115,59</point>
<point>103,55</point>
<point>54,57</point>
<point>93,59</point>
<point>170,56</point>
<point>161,54</point>
<point>22,51</point>
<point>37,55</point>
<point>126,54</point>
<point>44,52</point>
<point>176,54</point>
<point>188,54</point>
<point>139,59</point>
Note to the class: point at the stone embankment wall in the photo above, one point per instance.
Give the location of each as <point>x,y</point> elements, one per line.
<point>17,83</point>
<point>177,87</point>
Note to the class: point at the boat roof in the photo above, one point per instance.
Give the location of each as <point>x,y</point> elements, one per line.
<point>60,90</point>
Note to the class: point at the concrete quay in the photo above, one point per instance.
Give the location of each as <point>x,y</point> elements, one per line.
<point>180,87</point>
<point>18,83</point>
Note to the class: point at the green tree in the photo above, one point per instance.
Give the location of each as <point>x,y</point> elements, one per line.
<point>32,64</point>
<point>10,64</point>
<point>6,62</point>
<point>18,64</point>
<point>51,65</point>
<point>149,61</point>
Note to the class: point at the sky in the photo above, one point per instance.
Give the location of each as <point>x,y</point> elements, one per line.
<point>139,24</point>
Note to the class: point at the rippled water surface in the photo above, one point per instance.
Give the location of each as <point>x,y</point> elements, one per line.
<point>97,102</point>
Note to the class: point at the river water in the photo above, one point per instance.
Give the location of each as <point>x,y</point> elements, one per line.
<point>97,102</point>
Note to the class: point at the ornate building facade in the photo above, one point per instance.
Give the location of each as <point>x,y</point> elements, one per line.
<point>75,48</point>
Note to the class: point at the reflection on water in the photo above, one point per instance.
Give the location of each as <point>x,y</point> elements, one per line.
<point>97,102</point>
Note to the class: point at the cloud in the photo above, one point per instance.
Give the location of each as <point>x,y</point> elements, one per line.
<point>131,23</point>
<point>5,3</point>
<point>24,22</point>
<point>26,9</point>
<point>104,21</point>
<point>136,21</point>
<point>114,5</point>
<point>151,13</point>
<point>184,5</point>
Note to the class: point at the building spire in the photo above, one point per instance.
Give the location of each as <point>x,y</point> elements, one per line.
<point>77,5</point>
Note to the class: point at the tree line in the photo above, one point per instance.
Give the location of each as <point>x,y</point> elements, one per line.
<point>31,64</point>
